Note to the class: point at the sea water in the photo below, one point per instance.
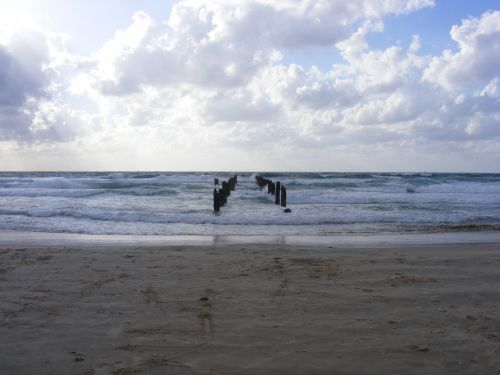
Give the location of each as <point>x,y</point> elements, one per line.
<point>160,203</point>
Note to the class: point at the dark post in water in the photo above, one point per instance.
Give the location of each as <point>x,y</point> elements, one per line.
<point>220,196</point>
<point>283,196</point>
<point>225,188</point>
<point>277,193</point>
<point>216,201</point>
<point>274,188</point>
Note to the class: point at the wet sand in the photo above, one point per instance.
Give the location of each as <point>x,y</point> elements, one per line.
<point>250,309</point>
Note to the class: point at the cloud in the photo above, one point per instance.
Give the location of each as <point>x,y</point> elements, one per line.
<point>181,51</point>
<point>241,107</point>
<point>21,68</point>
<point>28,75</point>
<point>22,79</point>
<point>219,76</point>
<point>224,44</point>
<point>477,58</point>
<point>17,82</point>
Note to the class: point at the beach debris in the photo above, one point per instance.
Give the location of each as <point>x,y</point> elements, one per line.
<point>287,210</point>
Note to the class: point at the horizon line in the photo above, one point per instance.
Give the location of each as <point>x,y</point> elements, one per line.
<point>241,171</point>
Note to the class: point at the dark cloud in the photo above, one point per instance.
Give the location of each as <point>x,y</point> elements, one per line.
<point>17,83</point>
<point>21,79</point>
<point>27,112</point>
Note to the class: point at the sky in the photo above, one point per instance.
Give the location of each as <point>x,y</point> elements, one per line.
<point>250,85</point>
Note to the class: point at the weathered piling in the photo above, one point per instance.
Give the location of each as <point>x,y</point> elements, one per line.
<point>223,197</point>
<point>225,188</point>
<point>261,181</point>
<point>232,182</point>
<point>220,196</point>
<point>283,196</point>
<point>216,201</point>
<point>271,187</point>
<point>277,193</point>
<point>274,188</point>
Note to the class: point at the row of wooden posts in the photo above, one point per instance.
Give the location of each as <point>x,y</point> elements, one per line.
<point>220,196</point>
<point>273,188</point>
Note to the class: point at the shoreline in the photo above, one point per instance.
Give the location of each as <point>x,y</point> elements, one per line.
<point>9,238</point>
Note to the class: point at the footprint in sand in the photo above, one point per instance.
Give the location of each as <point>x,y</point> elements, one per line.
<point>205,317</point>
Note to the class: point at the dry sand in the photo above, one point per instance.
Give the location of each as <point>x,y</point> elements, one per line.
<point>250,309</point>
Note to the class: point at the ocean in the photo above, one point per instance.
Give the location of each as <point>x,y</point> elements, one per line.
<point>162,203</point>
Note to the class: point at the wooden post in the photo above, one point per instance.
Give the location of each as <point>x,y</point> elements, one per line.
<point>225,188</point>
<point>216,201</point>
<point>222,197</point>
<point>261,181</point>
<point>269,186</point>
<point>283,196</point>
<point>277,193</point>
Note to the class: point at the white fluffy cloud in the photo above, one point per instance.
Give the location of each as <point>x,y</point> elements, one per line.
<point>223,44</point>
<point>476,61</point>
<point>217,73</point>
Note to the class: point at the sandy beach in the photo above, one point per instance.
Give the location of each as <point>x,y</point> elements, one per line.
<point>250,309</point>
